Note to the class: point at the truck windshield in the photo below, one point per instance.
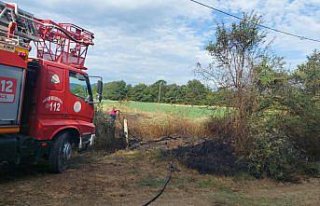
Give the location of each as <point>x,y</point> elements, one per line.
<point>80,86</point>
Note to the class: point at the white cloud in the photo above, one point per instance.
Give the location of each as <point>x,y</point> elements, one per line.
<point>144,40</point>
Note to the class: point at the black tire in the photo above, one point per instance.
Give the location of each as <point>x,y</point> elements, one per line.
<point>60,153</point>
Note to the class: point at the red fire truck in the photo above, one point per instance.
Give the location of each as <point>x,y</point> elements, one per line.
<point>46,103</point>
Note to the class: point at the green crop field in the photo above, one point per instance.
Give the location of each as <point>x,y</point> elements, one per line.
<point>187,111</point>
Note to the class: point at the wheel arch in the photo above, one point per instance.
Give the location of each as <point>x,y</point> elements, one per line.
<point>73,133</point>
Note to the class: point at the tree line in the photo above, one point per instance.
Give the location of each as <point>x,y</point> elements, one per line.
<point>194,92</point>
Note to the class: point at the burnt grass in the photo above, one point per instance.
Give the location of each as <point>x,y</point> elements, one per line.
<point>212,156</point>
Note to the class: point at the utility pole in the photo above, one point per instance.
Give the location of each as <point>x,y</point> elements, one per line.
<point>159,95</point>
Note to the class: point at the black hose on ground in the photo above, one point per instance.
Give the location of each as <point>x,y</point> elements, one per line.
<point>171,169</point>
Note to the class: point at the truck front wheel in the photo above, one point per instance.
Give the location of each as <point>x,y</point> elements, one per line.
<point>60,153</point>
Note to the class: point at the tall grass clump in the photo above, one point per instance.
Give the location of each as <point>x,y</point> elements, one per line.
<point>105,129</point>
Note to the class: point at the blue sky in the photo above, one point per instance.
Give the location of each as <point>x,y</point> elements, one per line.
<point>146,40</point>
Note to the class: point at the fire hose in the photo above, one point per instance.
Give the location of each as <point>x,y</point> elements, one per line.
<point>170,170</point>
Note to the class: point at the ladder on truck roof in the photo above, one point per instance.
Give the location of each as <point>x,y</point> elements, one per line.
<point>25,29</point>
<point>58,42</point>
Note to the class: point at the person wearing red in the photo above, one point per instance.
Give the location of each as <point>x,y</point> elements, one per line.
<point>113,113</point>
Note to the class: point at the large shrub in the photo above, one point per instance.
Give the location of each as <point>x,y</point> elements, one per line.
<point>270,152</point>
<point>273,156</point>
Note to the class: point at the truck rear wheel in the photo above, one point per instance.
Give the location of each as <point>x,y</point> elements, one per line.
<point>60,153</point>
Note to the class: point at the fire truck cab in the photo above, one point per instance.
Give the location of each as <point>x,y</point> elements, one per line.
<point>46,103</point>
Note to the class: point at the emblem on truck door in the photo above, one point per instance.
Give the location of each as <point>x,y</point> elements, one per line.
<point>77,107</point>
<point>55,79</point>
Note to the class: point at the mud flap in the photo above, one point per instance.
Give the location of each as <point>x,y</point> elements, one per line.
<point>86,142</point>
<point>8,148</point>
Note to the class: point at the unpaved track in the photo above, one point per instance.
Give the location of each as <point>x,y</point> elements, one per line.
<point>134,177</point>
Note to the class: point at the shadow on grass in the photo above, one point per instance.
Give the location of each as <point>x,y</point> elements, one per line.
<point>209,157</point>
<point>9,173</point>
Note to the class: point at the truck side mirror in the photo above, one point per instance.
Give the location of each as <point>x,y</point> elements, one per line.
<point>100,90</point>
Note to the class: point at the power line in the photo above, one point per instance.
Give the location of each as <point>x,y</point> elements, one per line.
<point>260,25</point>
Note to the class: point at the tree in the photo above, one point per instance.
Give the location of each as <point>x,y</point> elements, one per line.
<point>171,94</point>
<point>293,98</point>
<point>236,52</point>
<point>196,92</point>
<point>308,75</point>
<point>137,92</point>
<point>303,103</point>
<point>116,90</point>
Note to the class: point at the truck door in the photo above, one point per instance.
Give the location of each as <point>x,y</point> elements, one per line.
<point>53,105</point>
<point>80,97</point>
